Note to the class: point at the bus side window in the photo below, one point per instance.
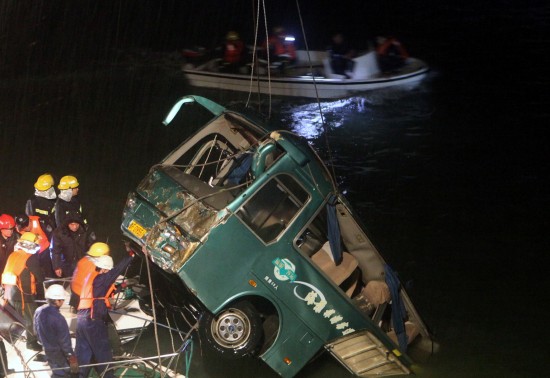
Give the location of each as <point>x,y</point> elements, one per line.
<point>273,207</point>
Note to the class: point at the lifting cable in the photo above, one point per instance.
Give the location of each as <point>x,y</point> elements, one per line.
<point>325,127</point>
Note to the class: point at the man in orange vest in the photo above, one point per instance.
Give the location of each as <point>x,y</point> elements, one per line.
<point>92,340</point>
<point>22,279</point>
<point>31,223</point>
<point>233,53</point>
<point>281,48</point>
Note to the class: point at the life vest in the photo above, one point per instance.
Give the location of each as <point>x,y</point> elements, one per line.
<point>281,47</point>
<point>393,46</point>
<point>83,268</point>
<point>87,297</point>
<point>17,262</point>
<point>233,51</point>
<point>36,228</point>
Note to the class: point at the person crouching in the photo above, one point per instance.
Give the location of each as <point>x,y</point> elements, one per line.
<point>92,341</point>
<point>53,333</point>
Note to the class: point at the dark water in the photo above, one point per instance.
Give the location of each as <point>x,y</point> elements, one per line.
<point>449,177</point>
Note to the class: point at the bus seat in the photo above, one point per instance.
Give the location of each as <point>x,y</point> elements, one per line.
<point>337,273</point>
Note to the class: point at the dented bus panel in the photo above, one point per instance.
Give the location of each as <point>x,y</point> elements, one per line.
<point>252,223</point>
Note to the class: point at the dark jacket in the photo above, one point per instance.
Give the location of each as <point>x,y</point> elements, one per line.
<point>63,209</point>
<point>45,209</point>
<point>6,248</point>
<point>52,330</point>
<point>68,247</point>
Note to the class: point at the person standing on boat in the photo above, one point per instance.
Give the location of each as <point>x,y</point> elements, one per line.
<point>341,56</point>
<point>68,200</point>
<point>69,244</point>
<point>84,267</point>
<point>42,203</point>
<point>233,53</point>
<point>92,341</point>
<point>8,238</point>
<point>53,332</point>
<point>22,279</point>
<point>281,48</point>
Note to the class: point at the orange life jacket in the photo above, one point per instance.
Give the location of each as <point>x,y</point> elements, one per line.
<point>87,294</point>
<point>35,228</point>
<point>391,42</point>
<point>84,267</point>
<point>17,262</point>
<point>280,47</point>
<point>233,51</point>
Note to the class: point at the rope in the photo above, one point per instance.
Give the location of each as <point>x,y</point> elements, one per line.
<point>325,127</point>
<point>153,306</point>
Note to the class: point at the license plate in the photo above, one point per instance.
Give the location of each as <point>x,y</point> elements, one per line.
<point>137,229</point>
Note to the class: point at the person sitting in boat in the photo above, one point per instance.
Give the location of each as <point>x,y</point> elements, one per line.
<point>281,48</point>
<point>341,56</point>
<point>391,54</point>
<point>53,332</point>
<point>233,53</point>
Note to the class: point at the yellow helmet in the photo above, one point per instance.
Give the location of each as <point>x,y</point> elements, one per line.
<point>232,36</point>
<point>99,249</point>
<point>30,237</point>
<point>44,182</point>
<point>67,182</point>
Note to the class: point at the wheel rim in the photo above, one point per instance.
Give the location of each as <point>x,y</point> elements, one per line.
<point>231,329</point>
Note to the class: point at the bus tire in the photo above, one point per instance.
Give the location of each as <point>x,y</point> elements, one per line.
<point>233,333</point>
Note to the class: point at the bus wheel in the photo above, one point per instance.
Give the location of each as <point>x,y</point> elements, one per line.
<point>235,332</point>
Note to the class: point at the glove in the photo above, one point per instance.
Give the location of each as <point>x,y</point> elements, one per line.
<point>129,249</point>
<point>73,363</point>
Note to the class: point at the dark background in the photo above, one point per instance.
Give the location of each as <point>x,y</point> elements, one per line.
<point>450,178</point>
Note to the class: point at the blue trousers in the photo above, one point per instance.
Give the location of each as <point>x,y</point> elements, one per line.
<point>56,359</point>
<point>92,345</point>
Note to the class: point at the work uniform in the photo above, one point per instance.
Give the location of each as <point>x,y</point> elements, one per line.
<point>44,208</point>
<point>53,332</point>
<point>68,247</point>
<point>92,340</point>
<point>22,279</point>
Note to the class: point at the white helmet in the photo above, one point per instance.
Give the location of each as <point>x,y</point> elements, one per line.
<point>104,262</point>
<point>55,292</point>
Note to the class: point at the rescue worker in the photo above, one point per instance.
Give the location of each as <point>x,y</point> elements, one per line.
<point>31,223</point>
<point>53,332</point>
<point>341,56</point>
<point>42,203</point>
<point>233,53</point>
<point>281,48</point>
<point>68,200</point>
<point>391,54</point>
<point>83,268</point>
<point>22,279</point>
<point>7,238</point>
<point>92,340</point>
<point>69,244</point>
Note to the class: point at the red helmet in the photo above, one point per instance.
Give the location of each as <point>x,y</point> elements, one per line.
<point>6,221</point>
